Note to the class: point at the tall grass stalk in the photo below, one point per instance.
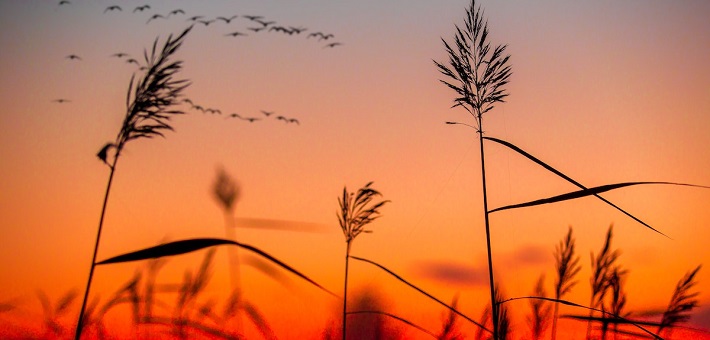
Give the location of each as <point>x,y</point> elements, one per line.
<point>149,107</point>
<point>567,266</point>
<point>478,75</point>
<point>356,212</point>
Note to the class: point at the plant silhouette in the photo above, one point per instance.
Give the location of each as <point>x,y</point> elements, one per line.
<point>149,108</point>
<point>478,75</point>
<point>357,210</point>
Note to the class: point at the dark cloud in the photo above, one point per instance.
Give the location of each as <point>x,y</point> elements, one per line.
<point>452,273</point>
<point>529,255</point>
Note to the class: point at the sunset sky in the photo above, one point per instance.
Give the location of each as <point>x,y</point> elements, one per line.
<point>606,92</point>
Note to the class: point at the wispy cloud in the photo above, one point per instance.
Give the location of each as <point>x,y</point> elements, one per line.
<point>453,273</point>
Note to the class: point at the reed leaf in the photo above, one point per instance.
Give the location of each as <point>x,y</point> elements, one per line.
<point>567,178</point>
<point>399,318</point>
<point>594,191</point>
<point>190,245</point>
<point>421,291</point>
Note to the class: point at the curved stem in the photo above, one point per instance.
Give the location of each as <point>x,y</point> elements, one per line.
<point>494,306</point>
<point>345,290</point>
<point>80,323</point>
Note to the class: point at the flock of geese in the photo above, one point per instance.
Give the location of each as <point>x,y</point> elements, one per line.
<point>214,111</point>
<point>255,24</point>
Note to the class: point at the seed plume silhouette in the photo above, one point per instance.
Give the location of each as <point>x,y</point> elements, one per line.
<point>149,107</point>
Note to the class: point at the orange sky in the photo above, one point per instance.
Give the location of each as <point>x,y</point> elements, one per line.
<point>606,93</point>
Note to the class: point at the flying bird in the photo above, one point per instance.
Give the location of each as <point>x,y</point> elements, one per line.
<point>251,119</point>
<point>176,11</point>
<point>133,61</point>
<point>297,30</point>
<point>73,57</point>
<point>265,23</point>
<point>187,100</point>
<point>213,111</point>
<point>113,8</point>
<point>234,115</point>
<point>195,18</point>
<point>141,8</point>
<point>205,22</point>
<point>267,113</point>
<point>227,20</point>
<point>61,101</point>
<point>235,34</point>
<point>282,118</point>
<point>256,29</point>
<point>293,120</point>
<point>253,17</point>
<point>64,2</point>
<point>155,16</point>
<point>119,55</point>
<point>331,45</point>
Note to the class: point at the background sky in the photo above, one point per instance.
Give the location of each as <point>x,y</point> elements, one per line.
<point>605,92</point>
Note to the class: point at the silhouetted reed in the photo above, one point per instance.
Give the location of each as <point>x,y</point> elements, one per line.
<point>478,75</point>
<point>449,328</point>
<point>356,212</point>
<point>149,108</point>
<point>603,265</point>
<point>567,266</point>
<point>539,319</point>
<point>682,303</point>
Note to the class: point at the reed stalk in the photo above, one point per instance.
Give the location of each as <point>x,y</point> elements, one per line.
<point>478,75</point>
<point>148,111</point>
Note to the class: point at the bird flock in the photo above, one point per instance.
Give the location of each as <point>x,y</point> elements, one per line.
<point>251,25</point>
<point>251,119</point>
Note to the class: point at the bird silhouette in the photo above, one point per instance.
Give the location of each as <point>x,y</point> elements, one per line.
<point>205,22</point>
<point>61,101</point>
<point>64,2</point>
<point>235,34</point>
<point>195,18</point>
<point>133,61</point>
<point>73,57</point>
<point>282,118</point>
<point>253,17</point>
<point>155,16</point>
<point>331,45</point>
<point>327,36</point>
<point>256,29</point>
<point>297,30</point>
<point>267,113</point>
<point>113,8</point>
<point>213,111</point>
<point>265,23</point>
<point>293,120</point>
<point>187,100</point>
<point>251,119</point>
<point>176,11</point>
<point>141,8</point>
<point>119,55</point>
<point>234,115</point>
<point>227,20</point>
